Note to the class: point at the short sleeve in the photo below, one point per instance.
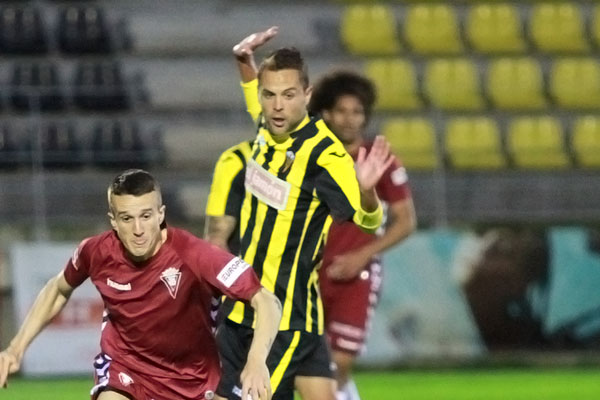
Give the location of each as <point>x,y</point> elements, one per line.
<point>77,269</point>
<point>394,185</point>
<point>227,187</point>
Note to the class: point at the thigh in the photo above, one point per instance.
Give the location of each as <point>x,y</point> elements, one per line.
<point>233,341</point>
<point>315,388</point>
<point>110,395</point>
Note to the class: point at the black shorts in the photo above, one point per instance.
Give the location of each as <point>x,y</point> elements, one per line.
<point>294,353</point>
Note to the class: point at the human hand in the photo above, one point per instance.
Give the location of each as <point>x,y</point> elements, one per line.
<point>348,266</point>
<point>244,50</point>
<point>256,382</point>
<point>370,167</point>
<point>9,364</point>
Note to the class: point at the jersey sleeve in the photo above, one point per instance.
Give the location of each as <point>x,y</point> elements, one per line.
<point>77,269</point>
<point>250,90</point>
<point>227,187</point>
<point>230,275</point>
<point>393,185</point>
<point>338,188</point>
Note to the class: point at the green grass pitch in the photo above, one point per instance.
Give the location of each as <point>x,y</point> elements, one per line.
<point>472,384</point>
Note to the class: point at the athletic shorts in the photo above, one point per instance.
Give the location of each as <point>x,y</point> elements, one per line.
<point>110,375</point>
<point>294,353</point>
<point>348,307</point>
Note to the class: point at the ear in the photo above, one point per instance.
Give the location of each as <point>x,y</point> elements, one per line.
<point>113,222</point>
<point>161,214</point>
<point>326,115</point>
<point>308,94</point>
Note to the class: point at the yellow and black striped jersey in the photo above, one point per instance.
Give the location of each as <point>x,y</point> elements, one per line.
<point>227,187</point>
<point>291,189</point>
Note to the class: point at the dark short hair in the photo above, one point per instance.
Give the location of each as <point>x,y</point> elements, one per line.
<point>285,58</point>
<point>135,182</point>
<point>340,83</point>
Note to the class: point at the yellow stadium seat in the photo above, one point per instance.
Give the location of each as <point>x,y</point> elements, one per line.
<point>537,143</point>
<point>558,28</point>
<point>474,143</point>
<point>413,140</point>
<point>495,28</point>
<point>453,85</point>
<point>575,83</point>
<point>595,25</point>
<point>369,30</point>
<point>585,141</point>
<point>396,84</point>
<point>432,29</point>
<point>516,84</point>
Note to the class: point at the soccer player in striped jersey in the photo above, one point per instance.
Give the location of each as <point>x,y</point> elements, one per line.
<point>298,175</point>
<point>158,285</point>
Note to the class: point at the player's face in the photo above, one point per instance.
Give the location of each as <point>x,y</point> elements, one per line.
<point>283,100</point>
<point>346,119</point>
<point>137,219</point>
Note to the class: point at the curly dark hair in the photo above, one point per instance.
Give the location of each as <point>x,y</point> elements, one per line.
<point>285,58</point>
<point>339,83</point>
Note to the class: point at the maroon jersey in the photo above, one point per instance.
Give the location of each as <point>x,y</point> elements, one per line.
<point>345,236</point>
<point>158,312</point>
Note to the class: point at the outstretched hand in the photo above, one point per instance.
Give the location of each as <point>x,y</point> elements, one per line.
<point>370,167</point>
<point>244,50</point>
<point>9,364</point>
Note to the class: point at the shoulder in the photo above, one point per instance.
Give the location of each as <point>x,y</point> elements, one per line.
<point>238,152</point>
<point>97,246</point>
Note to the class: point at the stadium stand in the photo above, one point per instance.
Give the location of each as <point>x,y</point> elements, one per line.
<point>414,140</point>
<point>396,84</point>
<point>474,143</point>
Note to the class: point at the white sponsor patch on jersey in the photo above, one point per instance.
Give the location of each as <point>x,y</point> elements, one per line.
<point>232,271</point>
<point>399,176</point>
<point>266,187</point>
<point>125,379</point>
<point>171,278</point>
<point>119,286</point>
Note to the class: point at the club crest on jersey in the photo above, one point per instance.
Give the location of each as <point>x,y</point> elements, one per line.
<point>171,277</point>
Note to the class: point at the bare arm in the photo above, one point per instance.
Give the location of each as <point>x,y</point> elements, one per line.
<point>403,222</point>
<point>50,301</point>
<point>244,52</point>
<point>255,375</point>
<point>218,229</point>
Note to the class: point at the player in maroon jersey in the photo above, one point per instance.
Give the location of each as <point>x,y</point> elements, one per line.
<point>159,285</point>
<point>350,274</point>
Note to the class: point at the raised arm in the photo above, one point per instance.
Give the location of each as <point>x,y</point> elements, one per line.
<point>244,52</point>
<point>50,301</point>
<point>255,375</point>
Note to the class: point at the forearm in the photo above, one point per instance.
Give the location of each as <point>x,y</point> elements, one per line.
<point>268,317</point>
<point>218,230</point>
<point>48,304</point>
<point>247,68</point>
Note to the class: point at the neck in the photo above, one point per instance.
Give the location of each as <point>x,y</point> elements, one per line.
<point>352,148</point>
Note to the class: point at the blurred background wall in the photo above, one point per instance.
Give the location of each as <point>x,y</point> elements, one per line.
<point>492,106</point>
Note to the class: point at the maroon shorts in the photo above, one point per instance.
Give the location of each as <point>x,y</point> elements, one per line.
<point>110,375</point>
<point>348,306</point>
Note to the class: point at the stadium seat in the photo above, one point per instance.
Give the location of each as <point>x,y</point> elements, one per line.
<point>100,86</point>
<point>118,144</point>
<point>537,143</point>
<point>595,25</point>
<point>585,141</point>
<point>60,147</point>
<point>22,31</point>
<point>453,85</point>
<point>413,140</point>
<point>82,30</point>
<point>495,28</point>
<point>396,84</point>
<point>575,83</point>
<point>474,143</point>
<point>369,30</point>
<point>558,28</point>
<point>36,86</point>
<point>432,29</point>
<point>516,84</point>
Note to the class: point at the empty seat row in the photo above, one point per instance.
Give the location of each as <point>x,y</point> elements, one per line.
<point>97,86</point>
<point>505,83</point>
<point>108,144</point>
<point>431,29</point>
<point>80,30</point>
<point>481,143</point>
